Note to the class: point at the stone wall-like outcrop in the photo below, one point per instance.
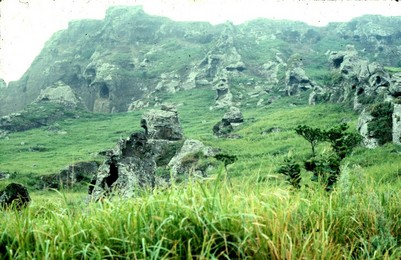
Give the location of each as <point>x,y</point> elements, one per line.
<point>144,160</point>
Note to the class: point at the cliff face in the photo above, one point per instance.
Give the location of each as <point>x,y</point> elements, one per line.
<point>130,58</point>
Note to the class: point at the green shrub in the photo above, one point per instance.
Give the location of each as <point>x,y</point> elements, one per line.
<point>292,170</point>
<point>381,126</point>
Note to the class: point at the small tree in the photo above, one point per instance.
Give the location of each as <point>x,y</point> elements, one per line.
<point>292,170</point>
<point>342,142</point>
<point>310,134</point>
<point>325,168</point>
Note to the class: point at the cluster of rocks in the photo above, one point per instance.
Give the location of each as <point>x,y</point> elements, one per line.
<point>152,157</point>
<point>230,120</point>
<point>363,84</point>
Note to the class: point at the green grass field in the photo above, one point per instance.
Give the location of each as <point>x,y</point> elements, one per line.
<point>250,214</point>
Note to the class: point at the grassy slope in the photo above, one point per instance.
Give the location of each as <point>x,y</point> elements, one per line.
<point>257,215</point>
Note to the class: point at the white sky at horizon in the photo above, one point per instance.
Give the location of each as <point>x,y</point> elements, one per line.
<point>25,25</point>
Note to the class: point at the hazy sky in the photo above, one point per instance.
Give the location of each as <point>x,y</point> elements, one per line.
<point>25,25</point>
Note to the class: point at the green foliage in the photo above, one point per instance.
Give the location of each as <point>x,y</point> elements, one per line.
<point>292,170</point>
<point>392,70</point>
<point>325,168</point>
<point>310,134</point>
<point>381,125</point>
<point>226,159</point>
<point>342,142</point>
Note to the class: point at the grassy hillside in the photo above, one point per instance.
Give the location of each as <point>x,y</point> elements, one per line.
<point>251,214</point>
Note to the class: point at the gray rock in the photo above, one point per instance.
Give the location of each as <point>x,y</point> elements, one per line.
<point>231,119</point>
<point>397,124</point>
<point>60,93</point>
<point>162,124</point>
<point>224,96</point>
<point>15,195</point>
<point>136,162</point>
<point>137,105</point>
<point>4,175</point>
<point>186,161</point>
<point>363,121</point>
<point>233,116</point>
<point>297,81</point>
<point>395,88</point>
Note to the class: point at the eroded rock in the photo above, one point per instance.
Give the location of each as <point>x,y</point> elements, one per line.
<point>145,159</point>
<point>397,124</point>
<point>162,124</point>
<point>62,94</point>
<point>363,121</point>
<point>231,119</point>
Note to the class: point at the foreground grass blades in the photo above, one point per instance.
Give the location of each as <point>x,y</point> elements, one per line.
<point>212,219</point>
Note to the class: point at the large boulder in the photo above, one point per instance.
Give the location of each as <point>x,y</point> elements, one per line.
<point>60,93</point>
<point>162,124</point>
<point>191,160</point>
<point>15,195</point>
<point>296,81</point>
<point>231,119</point>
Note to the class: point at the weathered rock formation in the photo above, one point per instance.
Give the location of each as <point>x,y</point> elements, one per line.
<point>363,128</point>
<point>224,98</point>
<point>231,119</point>
<point>144,159</point>
<point>296,81</point>
<point>15,195</point>
<point>365,85</point>
<point>397,124</point>
<point>55,102</point>
<point>62,94</point>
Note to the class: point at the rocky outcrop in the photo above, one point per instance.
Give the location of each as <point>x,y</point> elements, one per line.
<point>192,160</point>
<point>145,159</point>
<point>368,86</point>
<point>363,128</point>
<point>224,98</point>
<point>296,81</point>
<point>226,126</point>
<point>395,87</point>
<point>62,94</point>
<point>54,103</point>
<point>163,124</point>
<point>14,195</point>
<point>397,124</point>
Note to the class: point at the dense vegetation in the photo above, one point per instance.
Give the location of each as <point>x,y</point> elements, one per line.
<point>253,214</point>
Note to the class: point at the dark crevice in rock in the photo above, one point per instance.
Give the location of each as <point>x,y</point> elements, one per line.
<point>113,174</point>
<point>337,62</point>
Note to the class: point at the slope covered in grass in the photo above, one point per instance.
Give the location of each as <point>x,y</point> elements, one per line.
<point>249,213</point>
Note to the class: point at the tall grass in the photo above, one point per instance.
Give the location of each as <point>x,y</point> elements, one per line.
<point>212,219</point>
